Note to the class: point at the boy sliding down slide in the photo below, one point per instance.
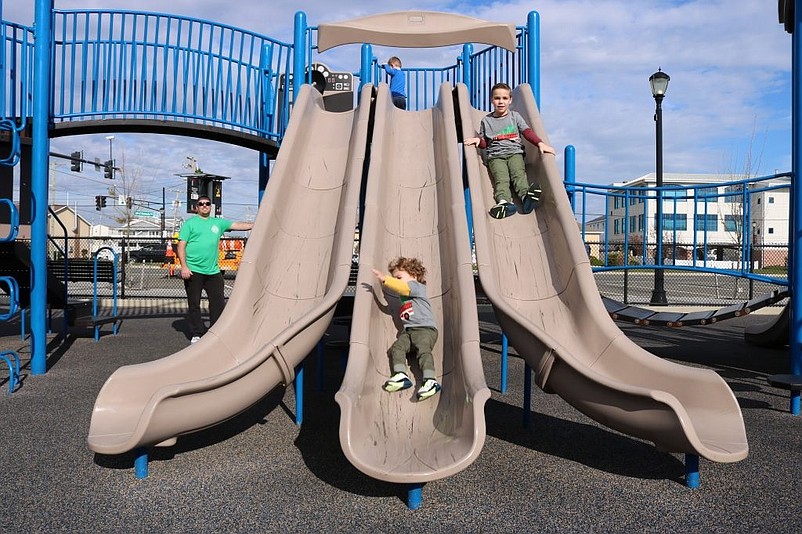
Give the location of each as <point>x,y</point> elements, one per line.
<point>500,133</point>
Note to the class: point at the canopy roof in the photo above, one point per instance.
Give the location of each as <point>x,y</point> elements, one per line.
<point>416,29</point>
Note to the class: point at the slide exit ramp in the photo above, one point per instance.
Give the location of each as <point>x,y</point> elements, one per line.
<point>414,207</point>
<point>536,272</point>
<point>293,271</point>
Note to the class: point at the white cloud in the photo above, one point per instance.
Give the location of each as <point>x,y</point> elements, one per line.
<point>729,62</point>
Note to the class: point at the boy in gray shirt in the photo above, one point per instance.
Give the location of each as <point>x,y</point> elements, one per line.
<point>407,280</point>
<point>500,134</point>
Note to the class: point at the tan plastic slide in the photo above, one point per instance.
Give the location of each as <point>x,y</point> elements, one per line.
<point>535,271</point>
<point>414,207</point>
<point>294,270</point>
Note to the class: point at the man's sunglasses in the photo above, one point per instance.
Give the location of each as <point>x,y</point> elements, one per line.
<point>204,203</point>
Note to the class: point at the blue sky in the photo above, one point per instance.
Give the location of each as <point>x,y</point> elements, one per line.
<point>728,101</point>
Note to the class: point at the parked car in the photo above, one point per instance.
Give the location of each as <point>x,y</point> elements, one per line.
<point>151,252</point>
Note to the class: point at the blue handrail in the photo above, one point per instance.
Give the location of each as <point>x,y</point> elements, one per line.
<point>13,221</point>
<point>13,297</point>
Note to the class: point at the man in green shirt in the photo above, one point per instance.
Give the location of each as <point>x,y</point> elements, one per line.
<point>198,245</point>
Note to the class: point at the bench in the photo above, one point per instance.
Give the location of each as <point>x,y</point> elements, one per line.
<point>82,270</point>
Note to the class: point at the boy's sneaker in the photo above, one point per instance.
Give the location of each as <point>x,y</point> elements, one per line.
<point>397,382</point>
<point>430,387</point>
<point>531,198</point>
<point>503,209</point>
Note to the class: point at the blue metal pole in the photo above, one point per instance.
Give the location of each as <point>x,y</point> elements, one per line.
<point>298,54</point>
<point>692,471</point>
<point>415,496</point>
<point>467,51</point>
<point>569,172</point>
<point>795,274</point>
<point>533,53</point>
<point>299,395</point>
<point>365,65</point>
<point>40,155</point>
<point>141,463</point>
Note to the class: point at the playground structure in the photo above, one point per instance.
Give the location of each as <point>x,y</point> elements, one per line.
<point>533,268</point>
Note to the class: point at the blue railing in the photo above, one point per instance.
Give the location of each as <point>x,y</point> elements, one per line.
<point>703,202</point>
<point>16,84</point>
<point>115,64</point>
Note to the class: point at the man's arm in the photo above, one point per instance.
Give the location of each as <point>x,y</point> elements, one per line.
<point>240,225</point>
<point>181,252</point>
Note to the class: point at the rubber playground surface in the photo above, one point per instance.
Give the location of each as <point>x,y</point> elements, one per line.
<point>261,473</point>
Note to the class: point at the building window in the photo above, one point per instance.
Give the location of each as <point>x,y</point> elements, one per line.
<point>731,223</point>
<point>633,223</point>
<point>640,222</point>
<point>771,229</point>
<point>707,194</point>
<point>771,200</point>
<point>708,223</point>
<point>675,221</point>
<point>733,194</point>
<point>675,195</point>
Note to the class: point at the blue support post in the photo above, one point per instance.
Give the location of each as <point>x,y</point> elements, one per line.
<point>299,54</point>
<point>505,347</point>
<point>264,174</point>
<point>39,202</point>
<point>268,113</point>
<point>467,51</point>
<point>795,267</point>
<point>365,64</point>
<point>794,404</point>
<point>527,395</point>
<point>569,172</point>
<point>415,496</point>
<point>141,463</point>
<point>692,471</point>
<point>533,54</point>
<point>299,395</point>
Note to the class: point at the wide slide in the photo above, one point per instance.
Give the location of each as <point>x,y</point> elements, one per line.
<point>294,270</point>
<point>535,271</point>
<point>414,207</point>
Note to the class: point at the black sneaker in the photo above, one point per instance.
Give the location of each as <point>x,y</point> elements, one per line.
<point>503,209</point>
<point>397,382</point>
<point>531,198</point>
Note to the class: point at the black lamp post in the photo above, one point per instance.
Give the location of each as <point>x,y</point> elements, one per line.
<point>659,83</point>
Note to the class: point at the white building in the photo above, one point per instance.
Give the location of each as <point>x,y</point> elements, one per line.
<point>717,209</point>
<point>705,210</point>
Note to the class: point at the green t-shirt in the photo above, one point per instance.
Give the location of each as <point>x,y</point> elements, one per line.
<point>203,239</point>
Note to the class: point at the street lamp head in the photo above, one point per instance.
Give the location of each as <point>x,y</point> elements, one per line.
<point>109,137</point>
<point>659,83</point>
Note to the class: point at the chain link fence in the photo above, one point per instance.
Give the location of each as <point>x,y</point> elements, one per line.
<point>634,283</point>
<point>147,268</point>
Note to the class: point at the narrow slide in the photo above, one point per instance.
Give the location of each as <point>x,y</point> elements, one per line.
<point>414,207</point>
<point>535,271</point>
<point>294,270</point>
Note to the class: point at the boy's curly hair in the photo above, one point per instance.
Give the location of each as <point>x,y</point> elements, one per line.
<point>411,265</point>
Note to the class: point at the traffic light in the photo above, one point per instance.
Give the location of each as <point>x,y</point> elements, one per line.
<point>129,202</point>
<point>75,161</point>
<point>100,202</point>
<point>108,169</point>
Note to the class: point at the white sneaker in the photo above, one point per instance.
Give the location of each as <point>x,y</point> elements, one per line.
<point>194,339</point>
